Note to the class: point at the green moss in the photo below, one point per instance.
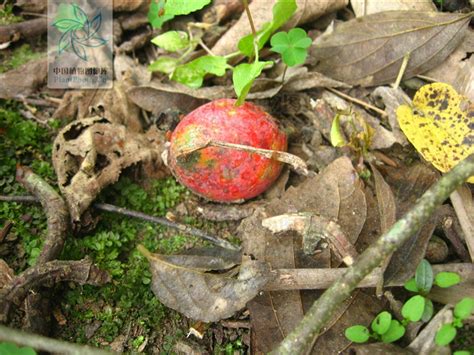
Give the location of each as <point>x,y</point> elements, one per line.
<point>17,57</point>
<point>7,16</point>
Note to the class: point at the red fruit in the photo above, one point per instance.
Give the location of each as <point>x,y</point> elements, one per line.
<point>226,174</point>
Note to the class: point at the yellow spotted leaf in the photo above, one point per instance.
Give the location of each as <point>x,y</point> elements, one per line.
<point>440,125</point>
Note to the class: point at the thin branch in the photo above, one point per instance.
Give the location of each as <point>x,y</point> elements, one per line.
<point>42,343</point>
<point>56,212</point>
<point>359,102</point>
<point>302,337</point>
<point>320,279</point>
<point>135,214</point>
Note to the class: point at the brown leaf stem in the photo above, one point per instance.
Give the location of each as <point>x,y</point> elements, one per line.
<point>303,336</point>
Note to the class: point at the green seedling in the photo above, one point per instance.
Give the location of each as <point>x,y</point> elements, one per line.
<point>417,308</point>
<point>162,11</point>
<point>292,46</point>
<point>462,310</point>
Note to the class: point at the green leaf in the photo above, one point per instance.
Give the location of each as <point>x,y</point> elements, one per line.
<point>283,10</point>
<point>172,41</point>
<point>292,46</point>
<point>462,352</point>
<point>164,64</point>
<point>445,335</point>
<point>357,334</point>
<point>184,7</point>
<point>464,308</point>
<point>394,332</point>
<point>381,323</point>
<point>192,73</point>
<point>447,279</point>
<point>243,77</point>
<point>410,285</point>
<point>428,311</point>
<point>337,137</point>
<point>157,14</point>
<point>413,308</point>
<point>12,349</point>
<point>424,276</point>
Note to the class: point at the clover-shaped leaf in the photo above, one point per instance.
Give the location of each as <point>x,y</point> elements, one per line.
<point>293,46</point>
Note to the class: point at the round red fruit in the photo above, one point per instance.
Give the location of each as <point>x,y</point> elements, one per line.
<point>225,174</point>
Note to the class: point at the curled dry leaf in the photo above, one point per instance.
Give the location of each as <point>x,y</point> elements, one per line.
<point>24,80</point>
<point>90,154</point>
<point>6,273</point>
<point>458,69</point>
<point>370,50</point>
<point>204,296</point>
<point>314,229</point>
<point>368,7</point>
<point>260,9</point>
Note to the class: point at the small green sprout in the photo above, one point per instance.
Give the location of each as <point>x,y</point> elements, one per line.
<point>415,309</point>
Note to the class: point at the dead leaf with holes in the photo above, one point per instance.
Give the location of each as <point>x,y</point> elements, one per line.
<point>369,51</point>
<point>90,154</point>
<point>440,125</point>
<point>205,296</point>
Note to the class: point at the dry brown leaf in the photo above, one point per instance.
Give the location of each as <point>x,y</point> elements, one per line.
<point>368,7</point>
<point>369,51</point>
<point>275,314</point>
<point>90,154</point>
<point>127,5</point>
<point>6,273</point>
<point>261,12</point>
<point>24,80</point>
<point>32,5</point>
<point>408,185</point>
<point>204,296</point>
<point>458,69</point>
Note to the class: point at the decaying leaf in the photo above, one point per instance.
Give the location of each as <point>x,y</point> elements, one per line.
<point>369,51</point>
<point>90,154</point>
<point>314,229</point>
<point>408,185</point>
<point>458,69</point>
<point>6,273</point>
<point>336,194</point>
<point>440,125</point>
<point>205,296</point>
<point>367,7</point>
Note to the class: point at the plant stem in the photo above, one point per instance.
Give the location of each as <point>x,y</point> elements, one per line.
<point>39,342</point>
<point>249,15</point>
<point>303,336</point>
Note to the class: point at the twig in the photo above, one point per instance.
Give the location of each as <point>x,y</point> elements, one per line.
<point>158,220</point>
<point>462,203</point>
<point>359,102</point>
<point>39,342</point>
<point>81,271</point>
<point>403,68</point>
<point>303,336</point>
<point>163,221</point>
<point>320,279</point>
<point>56,212</point>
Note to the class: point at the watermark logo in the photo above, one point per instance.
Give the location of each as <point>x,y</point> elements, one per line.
<point>78,32</point>
<point>80,51</point>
